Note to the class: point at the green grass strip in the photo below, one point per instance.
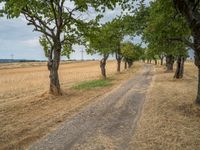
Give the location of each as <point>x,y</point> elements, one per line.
<point>86,85</point>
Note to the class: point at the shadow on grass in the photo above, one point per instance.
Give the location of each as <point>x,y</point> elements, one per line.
<point>87,85</point>
<point>189,109</point>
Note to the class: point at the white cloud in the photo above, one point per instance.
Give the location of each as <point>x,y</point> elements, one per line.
<point>32,43</point>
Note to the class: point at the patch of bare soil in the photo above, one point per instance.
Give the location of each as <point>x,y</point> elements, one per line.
<point>24,119</point>
<point>170,118</point>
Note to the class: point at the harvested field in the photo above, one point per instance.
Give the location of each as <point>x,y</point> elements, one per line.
<point>170,118</point>
<point>25,81</point>
<point>28,112</point>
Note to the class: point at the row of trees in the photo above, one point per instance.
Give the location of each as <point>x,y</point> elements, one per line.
<point>108,39</point>
<point>170,28</point>
<point>62,24</point>
<point>167,27</point>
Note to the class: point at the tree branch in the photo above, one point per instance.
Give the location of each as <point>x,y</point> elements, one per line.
<point>184,40</point>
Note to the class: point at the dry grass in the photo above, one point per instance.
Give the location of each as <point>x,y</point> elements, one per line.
<point>24,81</point>
<point>170,119</point>
<point>27,112</point>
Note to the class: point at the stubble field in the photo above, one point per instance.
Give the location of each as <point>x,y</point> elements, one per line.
<point>26,79</point>
<point>28,112</point>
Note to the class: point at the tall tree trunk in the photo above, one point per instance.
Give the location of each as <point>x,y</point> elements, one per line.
<point>156,62</point>
<point>180,67</point>
<point>103,65</point>
<point>161,60</point>
<point>125,64</point>
<point>198,89</point>
<point>197,60</point>
<point>118,65</point>
<point>119,59</point>
<point>130,64</point>
<point>53,65</point>
<point>169,62</point>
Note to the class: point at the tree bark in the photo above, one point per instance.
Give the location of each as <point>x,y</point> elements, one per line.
<point>53,65</point>
<point>125,64</point>
<point>161,60</point>
<point>130,64</point>
<point>103,66</point>
<point>118,65</point>
<point>156,62</point>
<point>119,59</point>
<point>196,36</point>
<point>198,89</point>
<point>169,62</point>
<point>180,67</point>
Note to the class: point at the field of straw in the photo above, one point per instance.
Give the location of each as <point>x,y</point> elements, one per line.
<point>28,112</point>
<point>23,80</point>
<point>170,119</point>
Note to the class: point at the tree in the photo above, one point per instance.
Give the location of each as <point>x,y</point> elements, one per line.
<point>162,26</point>
<point>180,63</point>
<point>130,53</point>
<point>190,10</point>
<point>58,24</point>
<point>100,40</point>
<point>117,31</point>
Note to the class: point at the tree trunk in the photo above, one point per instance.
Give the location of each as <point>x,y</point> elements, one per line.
<point>125,64</point>
<point>198,89</point>
<point>119,59</point>
<point>161,60</point>
<point>197,60</point>
<point>53,65</point>
<point>103,66</point>
<point>169,62</point>
<point>130,63</point>
<point>118,65</point>
<point>156,62</point>
<point>180,67</point>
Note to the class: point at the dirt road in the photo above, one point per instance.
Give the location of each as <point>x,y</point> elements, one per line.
<point>107,123</point>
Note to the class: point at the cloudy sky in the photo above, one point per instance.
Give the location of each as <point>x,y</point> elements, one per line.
<point>19,41</point>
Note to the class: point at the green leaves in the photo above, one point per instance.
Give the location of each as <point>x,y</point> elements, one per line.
<point>58,22</point>
<point>106,39</point>
<point>131,52</point>
<point>163,23</point>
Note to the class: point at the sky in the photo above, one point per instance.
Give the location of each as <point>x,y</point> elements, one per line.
<point>18,41</point>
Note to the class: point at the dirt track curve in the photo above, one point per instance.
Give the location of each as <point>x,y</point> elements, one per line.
<point>105,124</point>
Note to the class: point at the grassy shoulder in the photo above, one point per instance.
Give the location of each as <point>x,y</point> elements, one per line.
<point>87,85</point>
<point>170,119</point>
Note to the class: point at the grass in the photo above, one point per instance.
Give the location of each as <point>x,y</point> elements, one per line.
<point>87,85</point>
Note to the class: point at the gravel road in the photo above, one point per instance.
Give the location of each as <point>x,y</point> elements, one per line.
<point>106,124</point>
